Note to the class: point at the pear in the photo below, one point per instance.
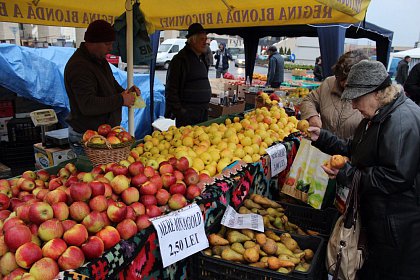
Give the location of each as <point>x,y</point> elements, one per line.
<point>217,250</point>
<point>207,252</point>
<point>261,200</point>
<point>272,235</point>
<point>238,247</point>
<point>290,243</point>
<point>273,263</point>
<point>259,264</point>
<point>230,255</point>
<point>282,249</point>
<point>270,246</point>
<point>251,204</point>
<point>284,270</point>
<point>264,259</point>
<point>278,223</point>
<point>222,231</point>
<point>215,239</point>
<point>236,236</point>
<point>249,244</point>
<point>261,238</point>
<point>267,223</point>
<point>244,210</point>
<point>252,255</point>
<point>291,259</point>
<point>309,254</point>
<point>274,212</point>
<point>249,233</point>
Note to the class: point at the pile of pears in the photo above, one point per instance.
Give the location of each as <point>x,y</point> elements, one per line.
<point>272,213</point>
<point>268,250</point>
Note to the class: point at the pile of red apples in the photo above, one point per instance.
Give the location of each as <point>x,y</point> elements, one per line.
<point>50,223</point>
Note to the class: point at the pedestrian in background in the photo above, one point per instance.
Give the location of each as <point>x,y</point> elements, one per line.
<point>412,84</point>
<point>275,75</point>
<point>222,60</point>
<point>402,70</point>
<point>318,74</point>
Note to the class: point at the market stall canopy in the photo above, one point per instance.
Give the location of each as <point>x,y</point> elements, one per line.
<point>413,53</point>
<point>179,14</point>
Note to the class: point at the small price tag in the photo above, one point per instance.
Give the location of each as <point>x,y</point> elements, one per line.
<point>233,219</point>
<point>181,233</point>
<point>278,156</point>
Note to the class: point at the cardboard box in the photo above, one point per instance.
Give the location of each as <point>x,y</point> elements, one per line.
<point>242,90</point>
<point>47,157</point>
<point>250,98</point>
<point>216,110</point>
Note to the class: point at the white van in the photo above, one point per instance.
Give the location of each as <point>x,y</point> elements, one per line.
<point>167,50</point>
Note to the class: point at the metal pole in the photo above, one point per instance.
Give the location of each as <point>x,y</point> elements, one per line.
<point>130,71</point>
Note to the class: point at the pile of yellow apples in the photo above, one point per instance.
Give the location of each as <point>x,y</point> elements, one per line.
<point>209,149</point>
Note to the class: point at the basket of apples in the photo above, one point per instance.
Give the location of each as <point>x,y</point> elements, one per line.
<point>107,144</point>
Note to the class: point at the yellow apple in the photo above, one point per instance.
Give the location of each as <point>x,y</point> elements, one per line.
<point>198,164</point>
<point>246,141</point>
<point>226,153</point>
<point>223,162</point>
<point>188,141</point>
<point>249,150</point>
<point>256,157</point>
<point>206,158</point>
<point>247,159</point>
<point>222,145</point>
<point>239,152</point>
<point>215,155</point>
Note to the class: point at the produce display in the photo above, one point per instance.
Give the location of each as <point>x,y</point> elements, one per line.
<point>105,133</point>
<point>210,149</point>
<point>58,222</point>
<point>271,250</point>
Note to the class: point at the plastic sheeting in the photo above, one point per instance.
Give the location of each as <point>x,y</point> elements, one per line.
<point>38,74</point>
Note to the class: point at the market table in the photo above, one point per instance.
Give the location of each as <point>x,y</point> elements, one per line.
<point>139,257</point>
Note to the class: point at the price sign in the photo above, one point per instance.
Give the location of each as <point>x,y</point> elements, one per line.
<point>180,233</point>
<point>278,156</point>
<point>233,219</point>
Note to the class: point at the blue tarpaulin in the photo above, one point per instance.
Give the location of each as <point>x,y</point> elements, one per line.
<point>38,74</point>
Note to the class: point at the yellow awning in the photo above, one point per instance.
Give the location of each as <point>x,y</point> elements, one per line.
<point>179,14</point>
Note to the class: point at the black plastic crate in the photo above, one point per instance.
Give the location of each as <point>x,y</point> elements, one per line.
<point>308,218</point>
<point>18,157</point>
<point>22,130</point>
<point>205,267</point>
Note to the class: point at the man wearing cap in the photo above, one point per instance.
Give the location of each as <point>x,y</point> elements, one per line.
<point>385,149</point>
<point>187,87</point>
<point>95,96</point>
<point>275,75</point>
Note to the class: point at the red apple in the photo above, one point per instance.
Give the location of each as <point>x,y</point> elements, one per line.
<point>4,214</point>
<point>120,170</point>
<point>93,222</point>
<point>45,268</point>
<point>4,201</point>
<point>42,193</point>
<point>68,224</point>
<point>182,164</point>
<point>113,139</point>
<point>130,195</point>
<point>80,191</point>
<point>29,174</point>
<point>149,171</point>
<point>54,248</point>
<point>43,175</point>
<point>104,129</point>
<point>27,254</point>
<point>142,222</point>
<point>107,221</point>
<point>148,188</point>
<point>97,170</point>
<point>173,161</point>
<point>192,192</point>
<point>148,200</point>
<point>178,188</point>
<point>177,201</point>
<point>110,236</point>
<point>79,210</point>
<point>98,203</point>
<point>27,197</point>
<point>88,134</point>
<point>12,222</point>
<point>5,188</point>
<point>162,197</point>
<point>117,212</point>
<point>178,175</point>
<point>93,248</point>
<point>40,212</point>
<point>98,188</point>
<point>124,136</point>
<point>138,208</point>
<point>203,177</point>
<point>120,183</point>
<point>127,229</point>
<point>15,202</point>
<point>50,229</point>
<point>54,183</point>
<point>3,246</point>
<point>136,168</point>
<point>76,235</point>
<point>130,214</point>
<point>168,179</point>
<point>61,211</point>
<point>153,211</point>
<point>55,196</point>
<point>72,179</point>
<point>108,190</point>
<point>72,258</point>
<point>157,180</point>
<point>138,180</point>
<point>17,236</point>
<point>166,168</point>
<point>71,167</point>
<point>63,173</point>
<point>27,185</point>
<point>191,177</point>
<point>39,184</point>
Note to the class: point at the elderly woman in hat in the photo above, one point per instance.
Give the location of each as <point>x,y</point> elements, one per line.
<point>386,150</point>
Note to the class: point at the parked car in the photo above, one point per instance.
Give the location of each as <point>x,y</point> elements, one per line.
<point>113,59</point>
<point>240,60</point>
<point>167,50</point>
<point>235,51</point>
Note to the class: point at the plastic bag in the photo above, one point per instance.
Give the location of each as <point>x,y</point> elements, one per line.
<point>306,180</point>
<point>138,102</point>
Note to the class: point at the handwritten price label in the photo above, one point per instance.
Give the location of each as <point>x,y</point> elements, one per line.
<point>181,233</point>
<point>278,157</point>
<point>233,219</point>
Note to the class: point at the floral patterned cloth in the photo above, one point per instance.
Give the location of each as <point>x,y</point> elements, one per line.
<point>139,257</point>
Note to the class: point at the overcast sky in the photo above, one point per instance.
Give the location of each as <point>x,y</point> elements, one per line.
<point>400,16</point>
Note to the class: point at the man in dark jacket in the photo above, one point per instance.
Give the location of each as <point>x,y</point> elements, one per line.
<point>275,74</point>
<point>188,88</point>
<point>95,96</point>
<point>222,60</point>
<point>402,70</point>
<point>412,84</point>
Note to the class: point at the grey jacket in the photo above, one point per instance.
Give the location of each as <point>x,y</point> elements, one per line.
<point>275,74</point>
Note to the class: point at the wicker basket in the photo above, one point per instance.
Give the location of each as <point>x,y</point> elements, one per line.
<point>106,153</point>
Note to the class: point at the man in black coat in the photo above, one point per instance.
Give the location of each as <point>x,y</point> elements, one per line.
<point>412,84</point>
<point>402,70</point>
